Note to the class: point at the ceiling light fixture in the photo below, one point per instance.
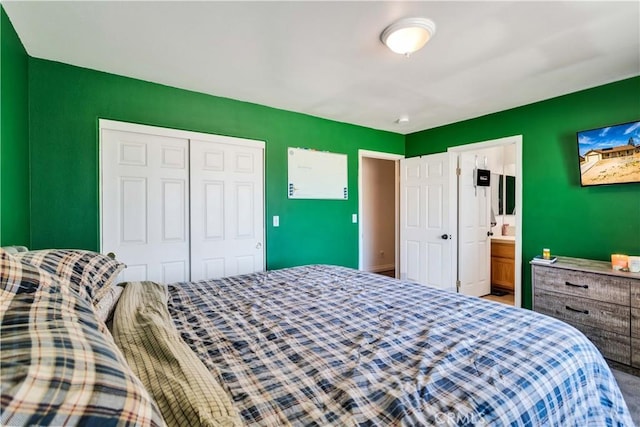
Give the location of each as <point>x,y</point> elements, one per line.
<point>408,35</point>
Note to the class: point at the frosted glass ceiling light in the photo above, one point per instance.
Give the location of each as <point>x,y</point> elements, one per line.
<point>408,35</point>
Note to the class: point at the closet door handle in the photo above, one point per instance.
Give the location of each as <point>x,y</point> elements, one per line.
<point>575,310</point>
<point>576,286</point>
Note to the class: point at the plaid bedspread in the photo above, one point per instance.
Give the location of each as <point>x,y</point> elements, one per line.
<point>322,345</point>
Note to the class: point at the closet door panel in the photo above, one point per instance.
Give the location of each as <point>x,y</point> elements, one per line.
<point>213,210</point>
<point>145,206</point>
<point>244,198</point>
<point>227,209</point>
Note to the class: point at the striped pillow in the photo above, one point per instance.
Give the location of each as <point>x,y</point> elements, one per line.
<point>59,364</point>
<point>88,271</point>
<point>187,393</point>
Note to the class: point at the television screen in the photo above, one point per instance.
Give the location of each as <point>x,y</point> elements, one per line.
<point>610,155</point>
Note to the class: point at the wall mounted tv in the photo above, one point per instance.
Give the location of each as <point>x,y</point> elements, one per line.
<point>610,154</point>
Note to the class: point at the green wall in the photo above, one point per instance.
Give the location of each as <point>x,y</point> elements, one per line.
<point>14,137</point>
<point>66,103</point>
<point>589,222</point>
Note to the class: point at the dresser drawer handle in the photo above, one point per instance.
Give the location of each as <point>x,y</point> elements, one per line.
<point>576,286</point>
<point>576,310</point>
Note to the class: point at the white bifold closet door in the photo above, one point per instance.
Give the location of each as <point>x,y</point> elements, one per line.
<point>180,209</point>
<point>226,210</point>
<point>145,204</point>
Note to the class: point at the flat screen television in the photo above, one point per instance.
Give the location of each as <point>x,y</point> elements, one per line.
<point>610,154</point>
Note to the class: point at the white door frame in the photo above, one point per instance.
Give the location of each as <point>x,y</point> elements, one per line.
<point>361,213</point>
<point>177,133</point>
<point>453,196</point>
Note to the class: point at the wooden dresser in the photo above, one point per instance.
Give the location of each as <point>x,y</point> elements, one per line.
<point>602,303</point>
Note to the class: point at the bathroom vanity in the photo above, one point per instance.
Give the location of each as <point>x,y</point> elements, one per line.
<point>503,263</point>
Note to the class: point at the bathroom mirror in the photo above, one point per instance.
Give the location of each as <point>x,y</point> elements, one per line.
<point>503,194</point>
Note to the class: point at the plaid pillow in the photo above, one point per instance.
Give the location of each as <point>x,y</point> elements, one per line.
<point>88,271</point>
<point>59,367</point>
<point>15,280</point>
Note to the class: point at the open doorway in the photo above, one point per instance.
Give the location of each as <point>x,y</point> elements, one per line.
<point>378,207</point>
<point>489,243</point>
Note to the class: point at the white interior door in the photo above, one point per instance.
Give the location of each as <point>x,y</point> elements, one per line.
<point>474,218</point>
<point>425,230</point>
<point>227,210</point>
<point>145,205</point>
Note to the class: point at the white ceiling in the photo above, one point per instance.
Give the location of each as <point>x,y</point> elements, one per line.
<point>326,59</point>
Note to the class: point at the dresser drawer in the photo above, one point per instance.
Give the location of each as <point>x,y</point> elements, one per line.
<point>635,352</point>
<point>613,346</point>
<point>635,295</point>
<point>582,284</point>
<point>575,310</point>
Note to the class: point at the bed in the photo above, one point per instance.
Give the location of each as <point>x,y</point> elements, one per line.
<point>311,345</point>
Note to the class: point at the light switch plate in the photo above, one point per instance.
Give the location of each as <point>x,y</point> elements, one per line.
<point>354,218</point>
<point>276,221</point>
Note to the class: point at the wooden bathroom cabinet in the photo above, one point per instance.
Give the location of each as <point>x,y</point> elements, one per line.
<point>503,264</point>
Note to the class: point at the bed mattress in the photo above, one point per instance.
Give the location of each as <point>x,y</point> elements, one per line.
<point>326,345</point>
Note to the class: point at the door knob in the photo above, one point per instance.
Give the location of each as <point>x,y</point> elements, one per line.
<point>445,236</point>
<point>259,245</point>
<point>489,233</point>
